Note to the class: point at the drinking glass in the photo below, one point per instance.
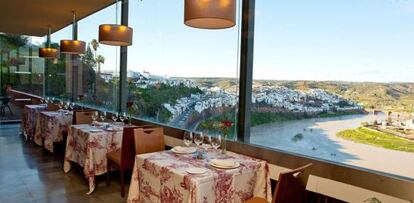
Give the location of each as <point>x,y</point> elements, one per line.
<point>71,105</point>
<point>60,104</point>
<point>115,117</point>
<point>188,138</point>
<point>206,142</point>
<point>103,116</point>
<point>198,138</point>
<point>67,105</point>
<point>216,141</point>
<point>95,116</point>
<point>122,117</point>
<point>47,100</point>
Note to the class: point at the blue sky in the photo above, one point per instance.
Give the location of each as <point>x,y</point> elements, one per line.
<point>352,40</point>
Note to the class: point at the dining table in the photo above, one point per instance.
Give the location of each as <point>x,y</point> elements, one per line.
<point>87,145</point>
<point>51,126</point>
<point>29,118</point>
<point>171,177</point>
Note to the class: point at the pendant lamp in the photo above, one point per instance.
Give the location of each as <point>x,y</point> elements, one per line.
<point>48,52</point>
<point>74,46</point>
<point>210,14</point>
<point>115,34</point>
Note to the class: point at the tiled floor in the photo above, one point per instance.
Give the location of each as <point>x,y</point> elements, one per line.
<point>28,173</point>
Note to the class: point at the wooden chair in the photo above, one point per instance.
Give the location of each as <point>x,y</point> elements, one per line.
<point>52,107</point>
<point>290,188</point>
<point>148,139</point>
<point>82,117</point>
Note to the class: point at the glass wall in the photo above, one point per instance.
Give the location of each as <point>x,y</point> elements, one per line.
<point>58,72</point>
<point>99,73</point>
<point>334,80</point>
<point>177,75</point>
<point>20,66</point>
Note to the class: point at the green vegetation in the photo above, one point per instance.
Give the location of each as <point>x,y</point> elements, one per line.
<point>372,137</point>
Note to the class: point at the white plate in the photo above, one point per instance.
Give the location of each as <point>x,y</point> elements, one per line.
<point>196,171</point>
<point>190,151</point>
<point>95,131</point>
<point>236,164</point>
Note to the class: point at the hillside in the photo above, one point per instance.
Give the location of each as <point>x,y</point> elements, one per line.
<point>390,96</point>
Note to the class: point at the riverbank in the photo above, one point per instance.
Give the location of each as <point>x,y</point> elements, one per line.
<point>380,139</point>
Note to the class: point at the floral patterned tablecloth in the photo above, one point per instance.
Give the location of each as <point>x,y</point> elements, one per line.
<point>162,177</point>
<point>29,119</point>
<point>51,126</point>
<point>88,148</point>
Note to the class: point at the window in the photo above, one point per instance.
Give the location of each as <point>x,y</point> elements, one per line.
<point>334,80</point>
<point>20,66</point>
<point>58,72</point>
<point>177,75</point>
<point>99,70</point>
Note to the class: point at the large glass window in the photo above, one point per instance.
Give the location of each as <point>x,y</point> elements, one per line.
<point>177,75</point>
<point>334,80</point>
<point>58,72</point>
<point>99,72</point>
<point>20,66</point>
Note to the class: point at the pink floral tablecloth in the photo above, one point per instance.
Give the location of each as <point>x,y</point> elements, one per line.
<point>87,146</point>
<point>50,127</point>
<point>29,119</point>
<point>162,177</point>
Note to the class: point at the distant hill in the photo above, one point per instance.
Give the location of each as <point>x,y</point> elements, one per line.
<point>390,96</point>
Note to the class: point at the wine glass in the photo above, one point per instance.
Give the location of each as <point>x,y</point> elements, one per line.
<point>122,117</point>
<point>47,100</point>
<point>103,116</point>
<point>60,104</point>
<point>198,138</point>
<point>206,142</point>
<point>188,138</point>
<point>95,116</point>
<point>67,105</point>
<point>115,117</point>
<point>216,141</point>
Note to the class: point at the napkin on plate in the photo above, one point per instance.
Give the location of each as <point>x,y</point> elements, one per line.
<point>183,149</point>
<point>223,162</point>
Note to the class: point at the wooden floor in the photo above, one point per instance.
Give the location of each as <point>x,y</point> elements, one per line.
<point>28,173</point>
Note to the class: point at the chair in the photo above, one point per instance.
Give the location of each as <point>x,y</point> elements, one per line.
<point>82,117</point>
<point>291,187</point>
<point>52,107</point>
<point>135,140</point>
<point>5,104</point>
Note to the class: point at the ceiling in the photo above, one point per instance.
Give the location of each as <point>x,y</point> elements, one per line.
<point>32,17</point>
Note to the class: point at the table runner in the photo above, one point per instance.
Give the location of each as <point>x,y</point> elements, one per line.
<point>89,149</point>
<point>162,177</point>
<point>50,127</point>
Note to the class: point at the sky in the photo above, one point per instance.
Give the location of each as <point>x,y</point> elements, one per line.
<point>349,40</point>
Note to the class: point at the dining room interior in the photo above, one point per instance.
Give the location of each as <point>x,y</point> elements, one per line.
<point>206,101</point>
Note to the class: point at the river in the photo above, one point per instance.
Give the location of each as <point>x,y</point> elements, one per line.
<point>320,141</point>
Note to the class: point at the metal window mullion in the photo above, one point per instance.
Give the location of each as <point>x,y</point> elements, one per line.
<point>246,70</point>
<point>123,90</point>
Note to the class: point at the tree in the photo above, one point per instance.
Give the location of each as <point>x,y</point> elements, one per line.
<point>99,60</point>
<point>95,45</point>
<point>88,58</point>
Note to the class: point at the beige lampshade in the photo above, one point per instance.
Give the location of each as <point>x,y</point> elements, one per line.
<point>210,14</point>
<point>116,35</point>
<point>72,46</point>
<point>48,53</point>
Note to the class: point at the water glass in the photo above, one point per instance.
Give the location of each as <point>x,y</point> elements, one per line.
<point>206,142</point>
<point>216,141</point>
<point>188,138</point>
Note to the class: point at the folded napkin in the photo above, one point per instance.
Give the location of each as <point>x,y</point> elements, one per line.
<point>223,162</point>
<point>183,149</point>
